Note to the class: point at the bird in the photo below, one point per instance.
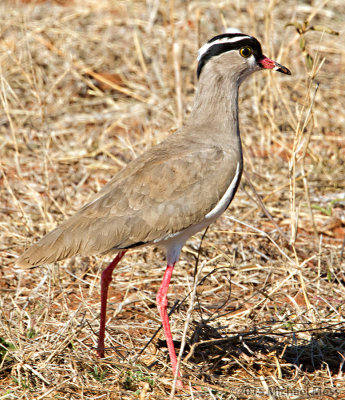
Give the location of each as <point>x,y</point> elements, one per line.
<point>173,190</point>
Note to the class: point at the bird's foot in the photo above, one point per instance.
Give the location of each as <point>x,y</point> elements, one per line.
<point>100,353</point>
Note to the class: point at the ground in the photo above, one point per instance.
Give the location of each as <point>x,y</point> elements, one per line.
<point>86,86</point>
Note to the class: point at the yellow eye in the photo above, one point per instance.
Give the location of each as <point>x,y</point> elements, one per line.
<point>246,52</point>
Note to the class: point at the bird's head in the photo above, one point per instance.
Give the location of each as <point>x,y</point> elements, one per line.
<point>235,54</point>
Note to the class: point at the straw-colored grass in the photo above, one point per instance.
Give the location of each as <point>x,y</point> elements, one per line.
<point>86,86</point>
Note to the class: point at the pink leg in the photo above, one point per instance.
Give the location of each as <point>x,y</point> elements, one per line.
<point>105,281</point>
<point>162,302</point>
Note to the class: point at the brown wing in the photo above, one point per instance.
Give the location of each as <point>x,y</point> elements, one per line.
<point>157,194</point>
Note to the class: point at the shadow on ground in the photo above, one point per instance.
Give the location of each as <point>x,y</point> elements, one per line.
<point>216,354</point>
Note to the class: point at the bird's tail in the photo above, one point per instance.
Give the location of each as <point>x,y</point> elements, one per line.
<point>56,245</point>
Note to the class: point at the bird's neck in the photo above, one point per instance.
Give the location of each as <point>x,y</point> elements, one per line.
<point>216,105</point>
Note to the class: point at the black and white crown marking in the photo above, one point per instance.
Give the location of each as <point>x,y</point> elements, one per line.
<point>224,43</point>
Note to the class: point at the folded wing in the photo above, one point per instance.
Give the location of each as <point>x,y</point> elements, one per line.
<point>156,195</point>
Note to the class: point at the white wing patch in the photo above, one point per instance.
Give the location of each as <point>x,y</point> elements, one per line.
<point>174,242</point>
<point>227,196</point>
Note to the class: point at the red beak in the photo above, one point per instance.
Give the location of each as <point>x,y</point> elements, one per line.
<point>267,63</point>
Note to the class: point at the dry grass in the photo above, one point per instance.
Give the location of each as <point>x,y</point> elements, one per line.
<point>88,85</point>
